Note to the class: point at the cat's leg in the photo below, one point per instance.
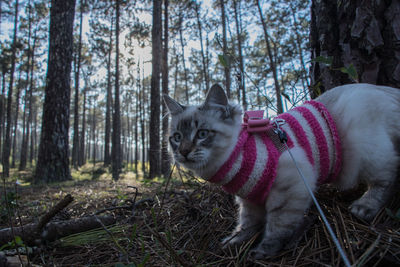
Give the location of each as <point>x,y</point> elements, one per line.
<point>379,167</point>
<point>251,219</point>
<point>286,205</point>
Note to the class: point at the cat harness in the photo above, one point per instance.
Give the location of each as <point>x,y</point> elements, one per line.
<point>251,169</point>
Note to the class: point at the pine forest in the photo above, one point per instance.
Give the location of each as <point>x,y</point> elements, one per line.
<point>88,175</point>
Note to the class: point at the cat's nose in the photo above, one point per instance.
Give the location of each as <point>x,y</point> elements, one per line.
<point>184,151</point>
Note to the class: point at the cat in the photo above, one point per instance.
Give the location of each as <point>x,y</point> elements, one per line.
<point>360,128</point>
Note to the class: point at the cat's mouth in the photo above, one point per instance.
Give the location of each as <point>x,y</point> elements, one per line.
<point>192,164</point>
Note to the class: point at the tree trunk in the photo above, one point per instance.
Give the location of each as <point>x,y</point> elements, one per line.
<point>183,58</point>
<point>137,113</point>
<point>272,62</point>
<point>94,133</point>
<point>82,158</point>
<point>154,130</point>
<point>16,115</point>
<point>107,158</point>
<point>143,125</point>
<point>7,141</point>
<point>29,69</point>
<point>165,159</point>
<point>299,43</point>
<point>227,69</point>
<point>75,144</point>
<point>53,161</point>
<point>2,109</point>
<point>116,133</point>
<point>203,57</point>
<point>363,34</point>
<point>33,150</point>
<point>241,60</point>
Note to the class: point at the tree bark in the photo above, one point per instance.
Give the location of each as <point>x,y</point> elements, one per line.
<point>53,161</point>
<point>360,33</point>
<point>203,57</point>
<point>227,69</point>
<point>7,141</point>
<point>116,133</point>
<point>271,61</point>
<point>16,115</point>
<point>142,124</point>
<point>25,124</point>
<point>183,58</point>
<point>241,60</point>
<point>165,159</point>
<point>154,129</point>
<point>107,158</point>
<point>82,157</point>
<point>75,142</point>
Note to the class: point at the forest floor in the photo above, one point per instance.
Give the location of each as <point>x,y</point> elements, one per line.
<point>180,221</point>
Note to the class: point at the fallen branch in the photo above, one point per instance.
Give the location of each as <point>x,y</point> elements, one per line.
<point>53,230</point>
<point>53,211</point>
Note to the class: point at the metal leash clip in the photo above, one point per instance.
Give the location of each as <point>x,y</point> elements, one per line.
<point>277,130</point>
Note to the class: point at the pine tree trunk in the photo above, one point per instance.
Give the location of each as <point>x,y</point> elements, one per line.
<point>203,57</point>
<point>107,158</point>
<point>53,161</point>
<point>81,157</point>
<point>75,142</point>
<point>272,62</point>
<point>165,159</point>
<point>25,123</point>
<point>116,133</point>
<point>7,141</point>
<point>143,125</point>
<point>359,33</point>
<point>16,115</point>
<point>183,59</point>
<point>154,129</point>
<point>94,134</point>
<point>241,60</point>
<point>32,151</point>
<point>227,69</point>
<point>137,124</point>
<point>2,110</point>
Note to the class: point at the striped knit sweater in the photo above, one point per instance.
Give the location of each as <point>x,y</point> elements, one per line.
<point>251,169</point>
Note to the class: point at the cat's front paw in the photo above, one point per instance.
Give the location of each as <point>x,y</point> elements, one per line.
<point>265,249</point>
<point>231,240</point>
<point>364,211</point>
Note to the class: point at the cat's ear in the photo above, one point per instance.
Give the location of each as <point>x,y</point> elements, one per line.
<point>216,95</point>
<point>173,106</point>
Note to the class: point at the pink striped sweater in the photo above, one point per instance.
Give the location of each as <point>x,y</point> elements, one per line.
<point>252,167</point>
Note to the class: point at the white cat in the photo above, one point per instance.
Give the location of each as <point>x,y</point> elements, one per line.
<point>346,135</point>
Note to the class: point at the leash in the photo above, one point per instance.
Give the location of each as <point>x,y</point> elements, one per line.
<point>283,138</point>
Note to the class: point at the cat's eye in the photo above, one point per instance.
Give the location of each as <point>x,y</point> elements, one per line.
<point>201,134</point>
<point>177,137</point>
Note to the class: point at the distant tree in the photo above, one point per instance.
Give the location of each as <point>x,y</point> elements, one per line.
<point>227,68</point>
<point>154,130</point>
<point>82,154</point>
<point>354,41</point>
<point>29,69</point>
<point>75,140</point>
<point>272,63</point>
<point>53,161</point>
<point>241,74</point>
<point>107,158</point>
<point>165,158</point>
<point>7,141</point>
<point>116,153</point>
<point>197,7</point>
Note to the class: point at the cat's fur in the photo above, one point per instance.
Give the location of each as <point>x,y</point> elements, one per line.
<point>367,120</point>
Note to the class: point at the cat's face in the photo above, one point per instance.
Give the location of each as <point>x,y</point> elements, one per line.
<point>201,135</point>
